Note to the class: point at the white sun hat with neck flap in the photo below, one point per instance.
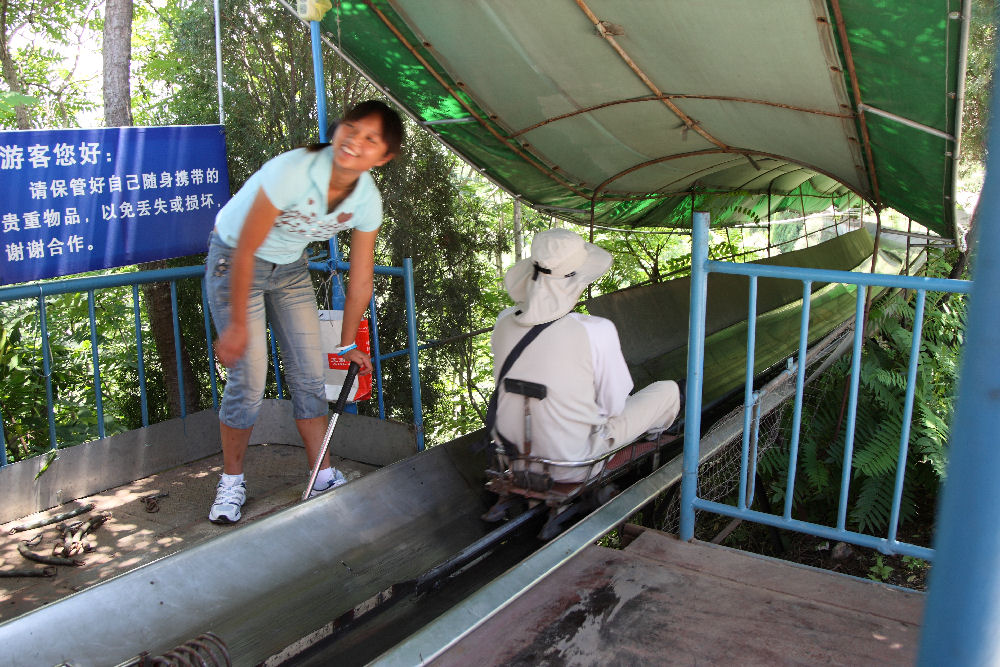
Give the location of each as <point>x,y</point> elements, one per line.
<point>548,284</point>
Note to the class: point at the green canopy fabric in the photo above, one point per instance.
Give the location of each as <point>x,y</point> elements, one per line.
<point>638,113</point>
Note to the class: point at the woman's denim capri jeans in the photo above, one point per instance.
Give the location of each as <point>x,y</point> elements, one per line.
<point>282,294</point>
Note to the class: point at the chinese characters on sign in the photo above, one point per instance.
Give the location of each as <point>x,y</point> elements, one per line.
<point>80,200</point>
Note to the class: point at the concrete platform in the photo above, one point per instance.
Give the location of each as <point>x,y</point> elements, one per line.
<point>275,474</point>
<point>665,602</point>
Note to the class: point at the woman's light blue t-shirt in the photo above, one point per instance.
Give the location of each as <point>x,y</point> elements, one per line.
<point>296,182</point>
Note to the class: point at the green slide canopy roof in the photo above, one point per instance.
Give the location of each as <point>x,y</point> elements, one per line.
<point>636,113</point>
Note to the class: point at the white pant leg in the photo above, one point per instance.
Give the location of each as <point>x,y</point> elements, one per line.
<point>654,407</point>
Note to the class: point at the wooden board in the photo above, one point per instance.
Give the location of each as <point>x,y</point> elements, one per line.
<point>662,601</point>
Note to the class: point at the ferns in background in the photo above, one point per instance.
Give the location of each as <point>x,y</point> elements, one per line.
<point>881,396</point>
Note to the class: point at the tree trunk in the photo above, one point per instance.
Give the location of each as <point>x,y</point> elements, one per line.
<point>117,91</point>
<point>161,323</point>
<point>117,63</point>
<point>9,70</point>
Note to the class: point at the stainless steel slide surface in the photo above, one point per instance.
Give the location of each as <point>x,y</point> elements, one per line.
<point>267,584</point>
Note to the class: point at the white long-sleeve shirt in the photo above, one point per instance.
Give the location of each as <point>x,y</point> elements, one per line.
<point>579,360</point>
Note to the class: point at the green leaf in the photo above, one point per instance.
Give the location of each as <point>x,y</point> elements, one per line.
<point>11,100</point>
<point>50,457</point>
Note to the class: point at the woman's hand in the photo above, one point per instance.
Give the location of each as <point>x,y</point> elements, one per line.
<point>361,359</point>
<point>231,344</point>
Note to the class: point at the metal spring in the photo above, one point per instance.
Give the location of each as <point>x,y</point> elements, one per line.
<point>205,650</point>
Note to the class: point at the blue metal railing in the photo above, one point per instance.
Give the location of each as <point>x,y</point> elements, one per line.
<point>701,267</point>
<point>406,273</point>
<point>90,285</point>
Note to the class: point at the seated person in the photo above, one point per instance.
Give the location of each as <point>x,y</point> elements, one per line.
<point>587,410</point>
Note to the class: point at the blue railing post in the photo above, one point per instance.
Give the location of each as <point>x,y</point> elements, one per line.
<point>800,377</point>
<point>208,343</point>
<point>140,364</point>
<point>751,475</point>
<point>963,605</point>
<point>3,442</point>
<point>695,363</point>
<point>852,407</point>
<point>95,358</point>
<point>47,369</point>
<point>904,437</point>
<point>749,396</point>
<point>377,358</point>
<point>177,347</point>
<point>411,339</point>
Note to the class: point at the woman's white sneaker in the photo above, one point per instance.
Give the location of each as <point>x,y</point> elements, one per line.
<point>228,502</point>
<point>338,479</point>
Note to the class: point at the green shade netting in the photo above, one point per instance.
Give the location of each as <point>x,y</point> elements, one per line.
<point>532,96</point>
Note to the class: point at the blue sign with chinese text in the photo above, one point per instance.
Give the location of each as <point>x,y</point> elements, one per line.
<point>81,200</point>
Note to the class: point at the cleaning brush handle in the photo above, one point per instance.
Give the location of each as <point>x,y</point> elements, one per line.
<point>345,390</point>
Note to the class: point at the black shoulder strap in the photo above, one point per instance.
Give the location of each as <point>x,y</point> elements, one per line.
<point>532,334</point>
<point>516,351</point>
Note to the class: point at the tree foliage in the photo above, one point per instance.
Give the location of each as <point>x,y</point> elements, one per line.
<point>978,82</point>
<point>41,48</point>
<point>22,371</point>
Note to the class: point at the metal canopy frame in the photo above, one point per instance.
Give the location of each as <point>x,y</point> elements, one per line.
<point>555,99</point>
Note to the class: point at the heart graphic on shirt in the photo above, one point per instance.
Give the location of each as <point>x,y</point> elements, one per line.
<point>344,217</point>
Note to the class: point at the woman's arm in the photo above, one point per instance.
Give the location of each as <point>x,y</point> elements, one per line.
<point>360,283</point>
<point>232,341</point>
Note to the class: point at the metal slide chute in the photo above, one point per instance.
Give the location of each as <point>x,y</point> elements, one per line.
<point>656,347</point>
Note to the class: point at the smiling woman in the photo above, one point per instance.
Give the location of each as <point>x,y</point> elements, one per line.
<point>257,272</point>
<point>368,134</point>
